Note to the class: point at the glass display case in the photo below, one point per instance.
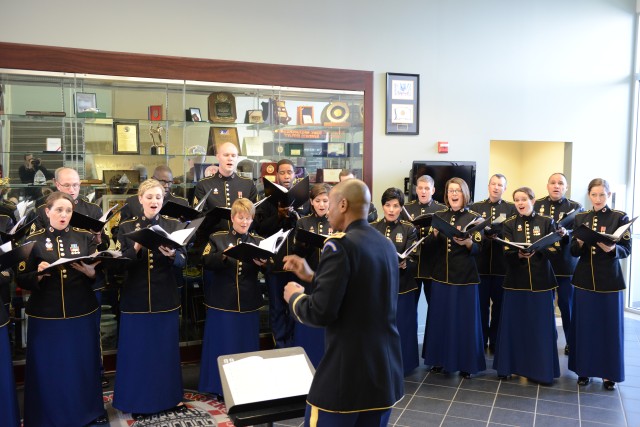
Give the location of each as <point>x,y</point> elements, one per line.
<point>114,117</point>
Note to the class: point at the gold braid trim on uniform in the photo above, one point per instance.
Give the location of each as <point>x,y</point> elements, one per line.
<point>337,235</point>
<point>207,250</point>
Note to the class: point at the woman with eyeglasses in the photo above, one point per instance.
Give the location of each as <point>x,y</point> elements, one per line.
<point>596,338</point>
<point>62,380</point>
<point>527,339</point>
<point>233,299</point>
<point>453,337</point>
<point>402,234</point>
<point>149,376</point>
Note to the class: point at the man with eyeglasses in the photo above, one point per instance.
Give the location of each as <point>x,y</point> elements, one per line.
<point>163,175</point>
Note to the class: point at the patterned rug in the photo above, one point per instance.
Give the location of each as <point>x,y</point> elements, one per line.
<point>202,411</point>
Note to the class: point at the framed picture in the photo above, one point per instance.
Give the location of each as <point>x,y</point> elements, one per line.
<point>126,138</point>
<point>155,112</point>
<point>85,102</point>
<point>193,115</point>
<point>218,136</point>
<point>305,115</point>
<point>403,104</point>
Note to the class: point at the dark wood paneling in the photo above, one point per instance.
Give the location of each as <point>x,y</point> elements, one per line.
<point>61,59</point>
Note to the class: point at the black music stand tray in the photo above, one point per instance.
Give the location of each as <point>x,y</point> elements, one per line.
<point>267,409</point>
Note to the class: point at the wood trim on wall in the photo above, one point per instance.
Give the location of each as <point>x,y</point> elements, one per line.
<point>71,60</point>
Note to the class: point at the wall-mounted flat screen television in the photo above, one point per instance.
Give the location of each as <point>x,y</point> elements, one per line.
<point>441,172</point>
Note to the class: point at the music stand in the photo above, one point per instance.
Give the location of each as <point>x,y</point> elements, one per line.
<point>251,393</point>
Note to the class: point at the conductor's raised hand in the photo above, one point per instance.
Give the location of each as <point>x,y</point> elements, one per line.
<point>299,267</point>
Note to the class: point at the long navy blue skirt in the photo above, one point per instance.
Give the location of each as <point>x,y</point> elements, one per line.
<point>62,379</point>
<point>225,332</point>
<point>148,374</point>
<point>9,411</point>
<point>311,340</point>
<point>454,329</point>
<point>527,343</point>
<point>407,322</point>
<point>596,339</point>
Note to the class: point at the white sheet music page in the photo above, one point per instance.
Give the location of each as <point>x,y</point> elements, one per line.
<point>252,379</point>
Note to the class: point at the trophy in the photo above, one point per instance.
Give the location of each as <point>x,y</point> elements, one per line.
<point>157,148</point>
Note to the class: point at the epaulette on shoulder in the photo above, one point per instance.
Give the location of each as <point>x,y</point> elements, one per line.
<point>402,221</point>
<point>135,218</point>
<point>218,233</point>
<point>243,177</point>
<point>307,216</point>
<point>413,202</point>
<point>546,216</point>
<point>337,235</point>
<point>36,232</point>
<point>169,218</point>
<point>541,199</point>
<point>376,221</point>
<point>474,212</point>
<point>620,212</point>
<point>511,218</point>
<point>584,212</point>
<point>81,230</point>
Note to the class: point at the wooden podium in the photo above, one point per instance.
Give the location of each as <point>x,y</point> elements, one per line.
<point>265,386</point>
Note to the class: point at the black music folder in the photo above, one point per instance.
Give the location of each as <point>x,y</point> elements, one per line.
<point>591,237</point>
<point>106,258</point>
<point>94,225</point>
<point>313,239</point>
<point>540,244</point>
<point>183,212</point>
<point>450,231</point>
<point>265,249</point>
<point>10,256</point>
<point>18,231</point>
<point>155,236</point>
<point>410,249</point>
<point>567,219</point>
<point>422,221</point>
<point>248,381</point>
<point>295,196</point>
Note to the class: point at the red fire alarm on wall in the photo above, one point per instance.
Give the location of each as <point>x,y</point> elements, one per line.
<point>443,147</point>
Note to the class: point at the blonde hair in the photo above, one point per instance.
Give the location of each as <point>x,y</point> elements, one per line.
<point>243,205</point>
<point>147,185</point>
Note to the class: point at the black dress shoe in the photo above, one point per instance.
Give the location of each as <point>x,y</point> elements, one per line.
<point>104,381</point>
<point>584,380</point>
<point>609,385</point>
<point>138,417</point>
<point>504,377</point>
<point>436,369</point>
<point>465,375</point>
<point>102,420</point>
<point>178,409</point>
<point>566,350</point>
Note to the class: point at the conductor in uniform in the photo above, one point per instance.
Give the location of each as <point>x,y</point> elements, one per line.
<point>354,297</point>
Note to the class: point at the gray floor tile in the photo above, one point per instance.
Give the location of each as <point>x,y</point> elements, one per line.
<point>511,417</point>
<point>470,411</point>
<point>558,409</point>
<point>558,395</point>
<point>514,389</point>
<point>450,380</point>
<point>480,385</point>
<point>462,422</point>
<point>427,404</point>
<point>410,387</point>
<point>410,418</point>
<point>475,397</point>
<point>600,401</point>
<point>515,402</point>
<point>404,401</point>
<point>549,421</point>
<point>436,391</point>
<point>605,416</point>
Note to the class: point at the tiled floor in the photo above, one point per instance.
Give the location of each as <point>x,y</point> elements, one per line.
<point>449,400</point>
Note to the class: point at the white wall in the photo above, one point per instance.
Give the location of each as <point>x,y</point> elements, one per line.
<point>549,70</point>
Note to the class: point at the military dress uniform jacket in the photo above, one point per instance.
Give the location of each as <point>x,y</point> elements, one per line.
<point>66,293</point>
<point>6,223</point>
<point>598,270</point>
<point>235,283</point>
<point>564,264</point>
<point>402,234</point>
<point>491,259</point>
<point>150,285</point>
<point>355,299</point>
<point>314,224</point>
<point>267,222</point>
<point>454,264</point>
<point>425,256</point>
<point>535,273</point>
<point>225,191</point>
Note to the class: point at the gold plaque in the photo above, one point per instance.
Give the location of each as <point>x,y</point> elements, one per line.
<point>253,117</point>
<point>222,107</point>
<point>335,112</point>
<point>218,136</point>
